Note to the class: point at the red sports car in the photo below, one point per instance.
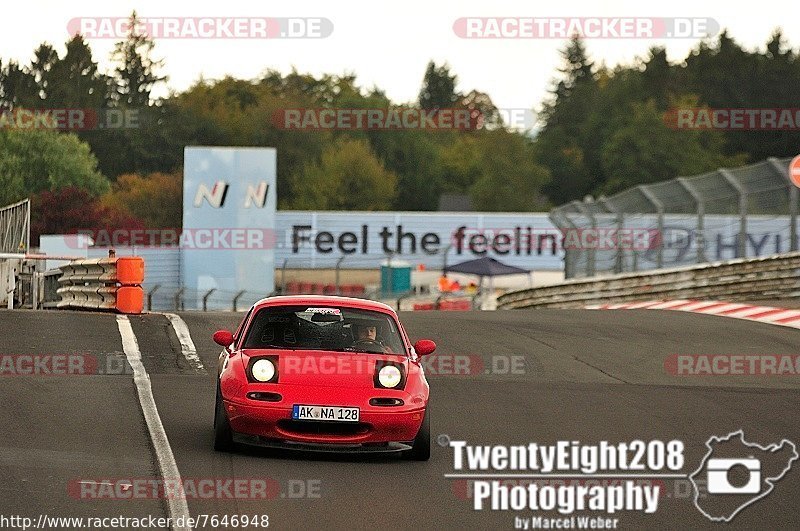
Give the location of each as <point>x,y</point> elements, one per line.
<point>322,373</point>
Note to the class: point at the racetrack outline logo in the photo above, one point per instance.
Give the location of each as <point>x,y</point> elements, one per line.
<point>769,480</point>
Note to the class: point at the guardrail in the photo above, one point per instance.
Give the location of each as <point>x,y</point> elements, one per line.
<point>112,283</point>
<point>769,277</point>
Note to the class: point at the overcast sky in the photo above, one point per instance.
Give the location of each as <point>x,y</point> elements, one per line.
<point>389,43</point>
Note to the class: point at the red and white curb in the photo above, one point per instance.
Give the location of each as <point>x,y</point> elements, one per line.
<point>762,314</point>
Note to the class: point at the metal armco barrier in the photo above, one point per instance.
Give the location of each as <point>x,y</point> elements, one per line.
<point>112,283</point>
<point>770,277</point>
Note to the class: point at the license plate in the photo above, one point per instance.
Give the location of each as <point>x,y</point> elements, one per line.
<point>327,413</point>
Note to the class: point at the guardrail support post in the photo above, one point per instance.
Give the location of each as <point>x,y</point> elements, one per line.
<point>608,205</point>
<point>741,243</point>
<point>701,214</point>
<point>650,196</point>
<point>178,301</point>
<point>150,297</point>
<point>338,268</point>
<point>205,298</point>
<point>570,259</point>
<point>591,253</point>
<point>236,299</point>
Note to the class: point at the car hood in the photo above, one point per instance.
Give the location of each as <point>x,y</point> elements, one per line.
<point>326,368</point>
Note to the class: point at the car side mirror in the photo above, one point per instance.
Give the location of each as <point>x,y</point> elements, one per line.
<point>223,338</point>
<point>423,347</point>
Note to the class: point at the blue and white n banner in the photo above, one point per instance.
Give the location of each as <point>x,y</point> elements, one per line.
<point>228,238</point>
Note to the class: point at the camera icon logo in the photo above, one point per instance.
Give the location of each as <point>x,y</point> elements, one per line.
<point>718,476</point>
<point>735,473</point>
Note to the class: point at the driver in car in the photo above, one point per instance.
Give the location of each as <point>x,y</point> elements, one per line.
<point>368,332</point>
<point>366,335</point>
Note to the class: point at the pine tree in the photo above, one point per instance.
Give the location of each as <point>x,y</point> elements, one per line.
<point>438,88</point>
<point>137,70</point>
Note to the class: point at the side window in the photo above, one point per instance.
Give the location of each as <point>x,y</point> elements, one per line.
<point>241,327</point>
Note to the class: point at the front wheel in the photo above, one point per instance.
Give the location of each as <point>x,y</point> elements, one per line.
<point>421,447</point>
<point>223,435</point>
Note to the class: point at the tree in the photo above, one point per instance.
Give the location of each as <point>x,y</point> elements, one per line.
<point>152,144</point>
<point>438,88</point>
<point>75,81</point>
<point>562,142</point>
<point>497,169</point>
<point>137,71</point>
<point>155,199</point>
<point>34,160</point>
<point>645,150</point>
<point>658,79</point>
<point>17,86</point>
<point>577,72</point>
<point>415,158</point>
<point>52,82</point>
<point>348,177</point>
<point>70,209</point>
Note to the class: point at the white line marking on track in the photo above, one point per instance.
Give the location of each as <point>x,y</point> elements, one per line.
<point>187,345</point>
<point>177,507</point>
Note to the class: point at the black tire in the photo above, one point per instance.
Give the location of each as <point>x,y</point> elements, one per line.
<point>421,447</point>
<point>223,435</point>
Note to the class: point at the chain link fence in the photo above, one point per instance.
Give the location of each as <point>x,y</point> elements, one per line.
<point>724,214</point>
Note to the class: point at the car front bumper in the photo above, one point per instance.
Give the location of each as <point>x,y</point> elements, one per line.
<point>274,423</point>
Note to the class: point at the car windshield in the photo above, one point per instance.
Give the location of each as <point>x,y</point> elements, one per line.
<point>323,328</point>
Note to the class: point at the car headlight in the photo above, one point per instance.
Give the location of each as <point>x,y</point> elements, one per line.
<point>263,370</point>
<point>390,376</point>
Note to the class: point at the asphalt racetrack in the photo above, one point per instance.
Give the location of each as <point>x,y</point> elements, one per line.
<point>522,376</point>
